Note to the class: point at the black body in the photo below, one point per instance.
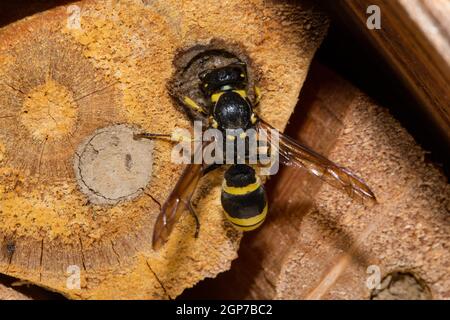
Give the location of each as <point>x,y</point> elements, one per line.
<point>226,89</point>
<point>246,205</point>
<point>240,175</point>
<point>232,111</point>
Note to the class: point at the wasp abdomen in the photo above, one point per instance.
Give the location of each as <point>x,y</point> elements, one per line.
<point>243,198</point>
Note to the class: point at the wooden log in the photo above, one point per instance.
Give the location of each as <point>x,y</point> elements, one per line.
<point>16,289</point>
<point>79,196</point>
<point>342,246</point>
<point>8,293</point>
<point>415,41</point>
<point>318,244</point>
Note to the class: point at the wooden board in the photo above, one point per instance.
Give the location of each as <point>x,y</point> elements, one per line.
<point>76,81</point>
<point>415,41</point>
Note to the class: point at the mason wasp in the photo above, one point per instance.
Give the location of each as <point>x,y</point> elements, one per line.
<point>243,196</point>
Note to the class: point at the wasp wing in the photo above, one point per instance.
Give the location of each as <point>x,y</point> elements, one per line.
<point>176,204</point>
<point>293,153</point>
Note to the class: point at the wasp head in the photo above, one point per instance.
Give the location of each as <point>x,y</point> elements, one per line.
<point>232,76</point>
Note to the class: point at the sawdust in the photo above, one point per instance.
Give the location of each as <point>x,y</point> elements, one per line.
<point>117,65</point>
<point>2,151</point>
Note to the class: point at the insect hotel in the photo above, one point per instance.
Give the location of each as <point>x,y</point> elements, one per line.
<point>99,98</point>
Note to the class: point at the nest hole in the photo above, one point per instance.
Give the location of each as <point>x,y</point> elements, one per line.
<point>190,62</point>
<point>401,286</point>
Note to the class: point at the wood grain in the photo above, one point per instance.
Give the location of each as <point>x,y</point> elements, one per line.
<point>415,40</point>
<point>69,72</point>
<point>316,243</point>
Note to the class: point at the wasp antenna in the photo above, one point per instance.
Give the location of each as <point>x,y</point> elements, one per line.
<point>137,136</point>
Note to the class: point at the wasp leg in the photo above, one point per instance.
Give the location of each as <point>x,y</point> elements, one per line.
<point>257,95</point>
<point>146,135</point>
<point>194,214</point>
<point>189,205</point>
<point>176,137</point>
<point>188,102</point>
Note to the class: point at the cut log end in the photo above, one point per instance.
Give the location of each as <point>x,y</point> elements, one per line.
<point>79,196</point>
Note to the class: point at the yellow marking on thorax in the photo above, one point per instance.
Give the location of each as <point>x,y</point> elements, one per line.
<point>215,96</point>
<point>242,93</point>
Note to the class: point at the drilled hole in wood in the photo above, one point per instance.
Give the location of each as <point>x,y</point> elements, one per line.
<point>111,166</point>
<point>189,63</point>
<point>401,286</point>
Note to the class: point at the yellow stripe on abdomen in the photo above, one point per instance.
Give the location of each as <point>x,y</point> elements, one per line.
<point>241,190</point>
<point>248,224</point>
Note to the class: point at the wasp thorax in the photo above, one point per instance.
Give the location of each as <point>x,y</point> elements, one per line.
<point>232,112</point>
